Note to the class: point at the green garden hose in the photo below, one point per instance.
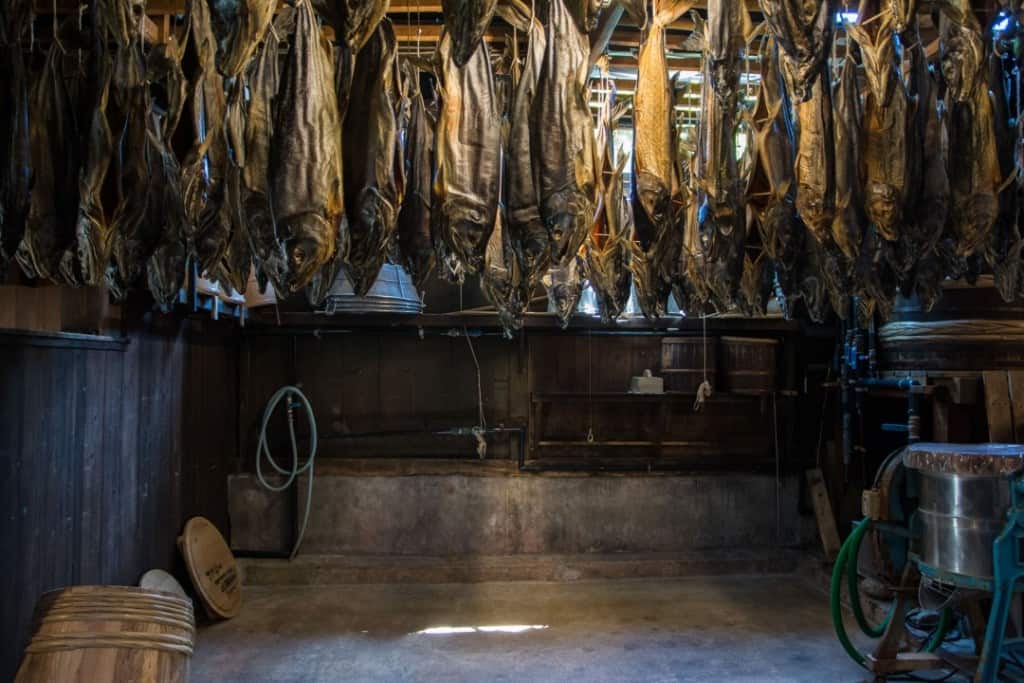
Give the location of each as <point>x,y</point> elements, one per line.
<point>846,563</point>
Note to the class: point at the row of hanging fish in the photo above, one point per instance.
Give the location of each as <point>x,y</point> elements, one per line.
<point>221,146</point>
<point>248,141</point>
<point>866,173</point>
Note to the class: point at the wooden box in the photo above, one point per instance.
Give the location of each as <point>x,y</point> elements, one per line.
<point>683,362</point>
<point>749,365</point>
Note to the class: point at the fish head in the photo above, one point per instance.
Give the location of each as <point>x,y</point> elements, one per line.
<point>310,245</point>
<point>564,287</point>
<point>975,222</point>
<point>654,198</point>
<point>883,206</point>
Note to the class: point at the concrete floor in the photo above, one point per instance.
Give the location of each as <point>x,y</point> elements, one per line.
<point>764,628</point>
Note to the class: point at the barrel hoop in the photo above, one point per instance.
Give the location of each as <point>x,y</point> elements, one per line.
<point>955,331</point>
<point>137,617</point>
<point>75,604</point>
<point>89,641</point>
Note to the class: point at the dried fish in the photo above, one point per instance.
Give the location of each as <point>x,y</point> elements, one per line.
<point>87,262</point>
<point>525,224</point>
<point>134,237</point>
<point>466,185</point>
<point>501,281</point>
<point>876,282</point>
<point>654,176</point>
<point>562,135</point>
<point>205,164</point>
<point>607,255</point>
<point>15,149</point>
<point>240,27</point>
<point>53,140</point>
<point>728,31</point>
<point>373,175</point>
<point>1003,249</point>
<point>657,191</point>
<point>847,224</point>
<point>165,268</point>
<point>884,154</point>
<point>804,33</point>
<point>758,280</point>
<point>304,170</point>
<point>465,21</point>
<point>930,209</point>
<point>770,190</point>
<point>814,170</point>
<point>564,285</point>
<point>354,21</point>
<point>414,238</point>
<point>120,22</point>
<point>269,255</point>
<point>974,173</point>
<point>237,263</point>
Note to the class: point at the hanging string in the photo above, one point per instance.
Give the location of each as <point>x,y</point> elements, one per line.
<point>419,28</point>
<point>778,470</point>
<point>704,391</point>
<point>590,387</point>
<point>481,426</point>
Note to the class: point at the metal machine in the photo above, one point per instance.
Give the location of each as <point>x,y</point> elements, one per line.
<point>941,520</point>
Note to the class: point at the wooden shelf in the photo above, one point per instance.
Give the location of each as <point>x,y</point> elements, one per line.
<point>627,397</point>
<point>265,320</point>
<point>73,340</point>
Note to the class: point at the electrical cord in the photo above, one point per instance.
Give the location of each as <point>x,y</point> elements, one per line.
<point>263,450</point>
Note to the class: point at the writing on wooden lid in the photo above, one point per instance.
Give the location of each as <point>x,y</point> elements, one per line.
<point>212,568</point>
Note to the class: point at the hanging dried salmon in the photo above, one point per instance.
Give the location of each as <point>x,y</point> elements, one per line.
<point>884,153</point>
<point>468,160</point>
<point>974,173</point>
<point>304,166</point>
<point>563,135</point>
<point>374,176</point>
<point>15,149</point>
<point>522,193</point>
<point>55,161</point>
<point>414,238</point>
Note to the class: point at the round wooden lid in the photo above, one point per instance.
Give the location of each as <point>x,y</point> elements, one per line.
<point>212,568</point>
<point>159,580</point>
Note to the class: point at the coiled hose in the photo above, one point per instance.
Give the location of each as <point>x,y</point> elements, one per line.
<point>846,563</point>
<point>293,473</point>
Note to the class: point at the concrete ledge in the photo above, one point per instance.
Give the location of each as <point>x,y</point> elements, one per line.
<point>324,570</point>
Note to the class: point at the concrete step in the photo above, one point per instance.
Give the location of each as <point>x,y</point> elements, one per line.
<point>321,570</point>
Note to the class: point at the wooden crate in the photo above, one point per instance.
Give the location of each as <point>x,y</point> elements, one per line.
<point>683,362</point>
<point>749,365</point>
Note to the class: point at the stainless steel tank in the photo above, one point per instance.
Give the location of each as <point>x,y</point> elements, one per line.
<point>964,498</point>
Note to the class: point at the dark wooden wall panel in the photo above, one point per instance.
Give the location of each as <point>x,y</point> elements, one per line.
<point>361,381</point>
<point>368,382</point>
<point>105,449</point>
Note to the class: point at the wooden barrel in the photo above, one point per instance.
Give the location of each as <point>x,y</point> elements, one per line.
<point>969,328</point>
<point>110,633</point>
<point>683,362</point>
<point>748,365</point>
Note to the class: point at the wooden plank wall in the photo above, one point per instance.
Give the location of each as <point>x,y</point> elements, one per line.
<point>365,381</point>
<point>105,448</point>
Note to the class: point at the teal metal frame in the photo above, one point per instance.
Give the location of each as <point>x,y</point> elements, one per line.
<point>1008,568</point>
